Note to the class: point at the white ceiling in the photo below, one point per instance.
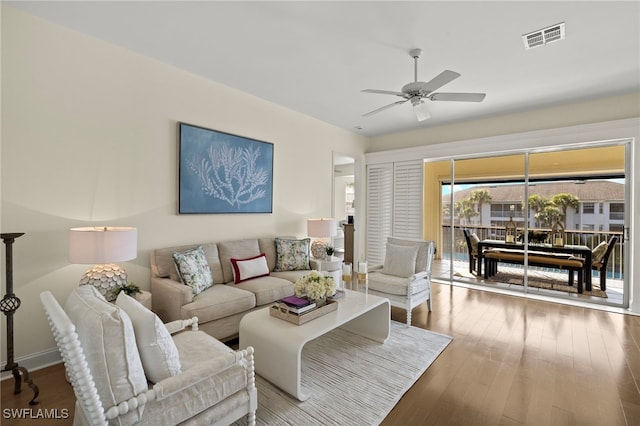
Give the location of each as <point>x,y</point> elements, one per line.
<point>316,57</point>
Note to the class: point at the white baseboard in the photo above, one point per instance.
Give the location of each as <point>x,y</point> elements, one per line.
<point>35,361</point>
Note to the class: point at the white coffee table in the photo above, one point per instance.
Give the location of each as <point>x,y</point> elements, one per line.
<point>278,344</point>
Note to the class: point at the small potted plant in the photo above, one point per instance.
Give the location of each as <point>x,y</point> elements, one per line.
<point>130,289</point>
<point>330,250</point>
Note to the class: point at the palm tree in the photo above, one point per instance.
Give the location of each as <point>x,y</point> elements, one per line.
<point>547,216</point>
<point>480,196</point>
<point>537,204</point>
<point>564,201</point>
<point>464,209</point>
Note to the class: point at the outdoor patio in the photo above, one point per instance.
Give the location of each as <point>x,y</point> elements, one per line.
<point>551,282</point>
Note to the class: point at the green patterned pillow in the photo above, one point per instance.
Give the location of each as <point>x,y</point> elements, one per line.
<point>193,268</point>
<point>292,255</point>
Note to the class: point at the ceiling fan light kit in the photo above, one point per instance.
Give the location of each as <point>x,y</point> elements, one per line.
<point>420,108</point>
<point>418,91</point>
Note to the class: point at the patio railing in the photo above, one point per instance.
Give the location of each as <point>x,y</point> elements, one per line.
<point>587,238</point>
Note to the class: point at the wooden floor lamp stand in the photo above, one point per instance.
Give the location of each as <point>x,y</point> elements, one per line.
<point>9,305</point>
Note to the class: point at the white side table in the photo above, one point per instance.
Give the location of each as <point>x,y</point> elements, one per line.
<point>333,266</point>
<point>144,297</point>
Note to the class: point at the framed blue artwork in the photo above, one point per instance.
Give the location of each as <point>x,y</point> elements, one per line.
<point>223,173</point>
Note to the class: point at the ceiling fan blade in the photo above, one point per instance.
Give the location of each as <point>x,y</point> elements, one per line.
<point>440,80</point>
<point>460,97</point>
<point>384,107</point>
<point>383,92</point>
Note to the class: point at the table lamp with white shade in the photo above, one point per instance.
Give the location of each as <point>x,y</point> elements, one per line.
<point>322,230</point>
<point>102,247</point>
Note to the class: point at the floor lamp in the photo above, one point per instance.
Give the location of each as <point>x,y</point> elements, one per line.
<point>9,305</point>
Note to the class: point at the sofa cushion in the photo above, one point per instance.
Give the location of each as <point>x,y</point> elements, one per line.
<point>101,327</point>
<point>237,249</point>
<point>246,269</point>
<point>267,289</point>
<point>213,396</point>
<point>219,301</point>
<point>390,284</point>
<point>292,255</point>
<point>194,269</point>
<point>164,266</point>
<point>196,347</point>
<point>400,260</point>
<point>158,352</point>
<point>291,276</point>
<point>268,247</point>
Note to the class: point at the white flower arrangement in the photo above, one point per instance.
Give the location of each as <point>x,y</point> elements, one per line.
<point>315,286</point>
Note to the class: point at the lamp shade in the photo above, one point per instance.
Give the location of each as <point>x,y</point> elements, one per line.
<point>322,228</point>
<point>100,245</point>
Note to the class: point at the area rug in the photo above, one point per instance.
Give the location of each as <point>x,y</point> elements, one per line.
<point>352,380</point>
<point>547,281</point>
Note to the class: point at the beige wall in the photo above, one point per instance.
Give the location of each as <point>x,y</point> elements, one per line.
<point>89,136</point>
<point>593,111</point>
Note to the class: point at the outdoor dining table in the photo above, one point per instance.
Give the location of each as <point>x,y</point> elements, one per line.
<point>575,250</point>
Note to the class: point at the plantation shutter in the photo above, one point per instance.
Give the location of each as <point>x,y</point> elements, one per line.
<point>394,205</point>
<point>407,199</point>
<point>379,211</point>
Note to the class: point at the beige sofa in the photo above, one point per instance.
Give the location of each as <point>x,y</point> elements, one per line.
<point>221,307</point>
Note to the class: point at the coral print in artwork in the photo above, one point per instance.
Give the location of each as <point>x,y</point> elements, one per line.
<point>224,173</point>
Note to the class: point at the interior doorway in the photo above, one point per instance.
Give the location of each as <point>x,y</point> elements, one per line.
<point>344,206</point>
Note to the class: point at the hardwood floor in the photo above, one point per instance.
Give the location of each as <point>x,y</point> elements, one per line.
<point>56,400</point>
<point>513,361</point>
<point>517,361</point>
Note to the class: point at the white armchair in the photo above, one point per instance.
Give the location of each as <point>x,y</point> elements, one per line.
<point>211,384</point>
<point>405,277</point>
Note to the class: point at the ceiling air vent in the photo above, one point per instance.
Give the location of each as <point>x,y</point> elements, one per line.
<point>544,36</point>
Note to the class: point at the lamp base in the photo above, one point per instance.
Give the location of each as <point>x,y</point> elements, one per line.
<point>106,278</point>
<point>319,249</point>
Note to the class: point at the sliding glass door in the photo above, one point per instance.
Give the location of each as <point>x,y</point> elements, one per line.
<point>480,198</point>
<point>580,192</point>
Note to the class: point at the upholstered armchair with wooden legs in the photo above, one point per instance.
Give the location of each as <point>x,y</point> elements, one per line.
<point>126,368</point>
<point>405,277</point>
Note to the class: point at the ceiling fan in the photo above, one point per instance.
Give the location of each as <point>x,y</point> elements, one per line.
<point>417,91</point>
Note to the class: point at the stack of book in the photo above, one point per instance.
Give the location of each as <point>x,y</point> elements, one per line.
<point>298,305</point>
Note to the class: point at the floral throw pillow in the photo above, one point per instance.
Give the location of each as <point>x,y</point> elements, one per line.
<point>292,255</point>
<point>193,268</point>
